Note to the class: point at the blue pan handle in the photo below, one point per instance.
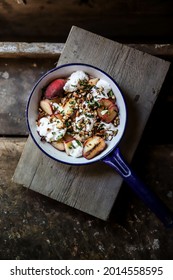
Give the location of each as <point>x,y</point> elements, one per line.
<point>116,161</point>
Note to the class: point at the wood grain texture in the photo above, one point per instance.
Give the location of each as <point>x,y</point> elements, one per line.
<point>31,50</point>
<point>54,50</point>
<point>93,189</point>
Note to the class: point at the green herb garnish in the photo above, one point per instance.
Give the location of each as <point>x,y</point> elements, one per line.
<point>79,143</point>
<point>110,93</point>
<point>72,102</point>
<point>89,115</point>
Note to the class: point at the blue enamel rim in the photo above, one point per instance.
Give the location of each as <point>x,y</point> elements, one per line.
<point>32,91</point>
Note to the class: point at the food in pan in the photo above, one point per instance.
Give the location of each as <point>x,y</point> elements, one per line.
<point>78,115</point>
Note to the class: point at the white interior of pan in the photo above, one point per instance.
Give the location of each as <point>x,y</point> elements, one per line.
<point>33,104</point>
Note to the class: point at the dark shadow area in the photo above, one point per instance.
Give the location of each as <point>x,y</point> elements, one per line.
<point>123,21</point>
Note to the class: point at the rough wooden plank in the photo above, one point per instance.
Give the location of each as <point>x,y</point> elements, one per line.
<point>54,50</point>
<point>68,184</point>
<point>140,76</point>
<point>34,50</point>
<point>162,50</point>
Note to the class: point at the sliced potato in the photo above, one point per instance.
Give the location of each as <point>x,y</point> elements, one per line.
<point>46,106</point>
<point>59,145</point>
<point>107,110</point>
<point>93,146</point>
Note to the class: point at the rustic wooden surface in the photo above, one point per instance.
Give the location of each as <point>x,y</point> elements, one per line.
<point>39,50</point>
<point>85,187</point>
<point>54,50</point>
<point>36,227</point>
<point>13,105</point>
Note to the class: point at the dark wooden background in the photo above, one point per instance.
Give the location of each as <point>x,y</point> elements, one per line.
<point>122,20</point>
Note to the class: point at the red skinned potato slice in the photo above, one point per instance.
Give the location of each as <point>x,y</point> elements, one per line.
<point>55,88</point>
<point>46,106</point>
<point>62,143</point>
<point>107,110</point>
<point>93,146</point>
<point>59,145</point>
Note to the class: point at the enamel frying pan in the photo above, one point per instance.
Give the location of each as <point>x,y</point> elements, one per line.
<point>111,155</point>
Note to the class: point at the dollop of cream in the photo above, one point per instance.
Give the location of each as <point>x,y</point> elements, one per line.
<point>50,129</point>
<point>110,129</point>
<point>84,122</point>
<point>100,90</point>
<point>73,81</point>
<point>76,149</point>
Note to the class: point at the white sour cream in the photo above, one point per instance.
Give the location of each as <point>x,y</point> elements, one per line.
<point>108,126</point>
<point>100,90</point>
<point>50,130</point>
<point>58,107</point>
<point>110,129</point>
<point>84,123</point>
<point>73,81</point>
<point>76,149</point>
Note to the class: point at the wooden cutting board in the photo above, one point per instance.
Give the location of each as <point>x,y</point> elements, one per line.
<point>94,188</point>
